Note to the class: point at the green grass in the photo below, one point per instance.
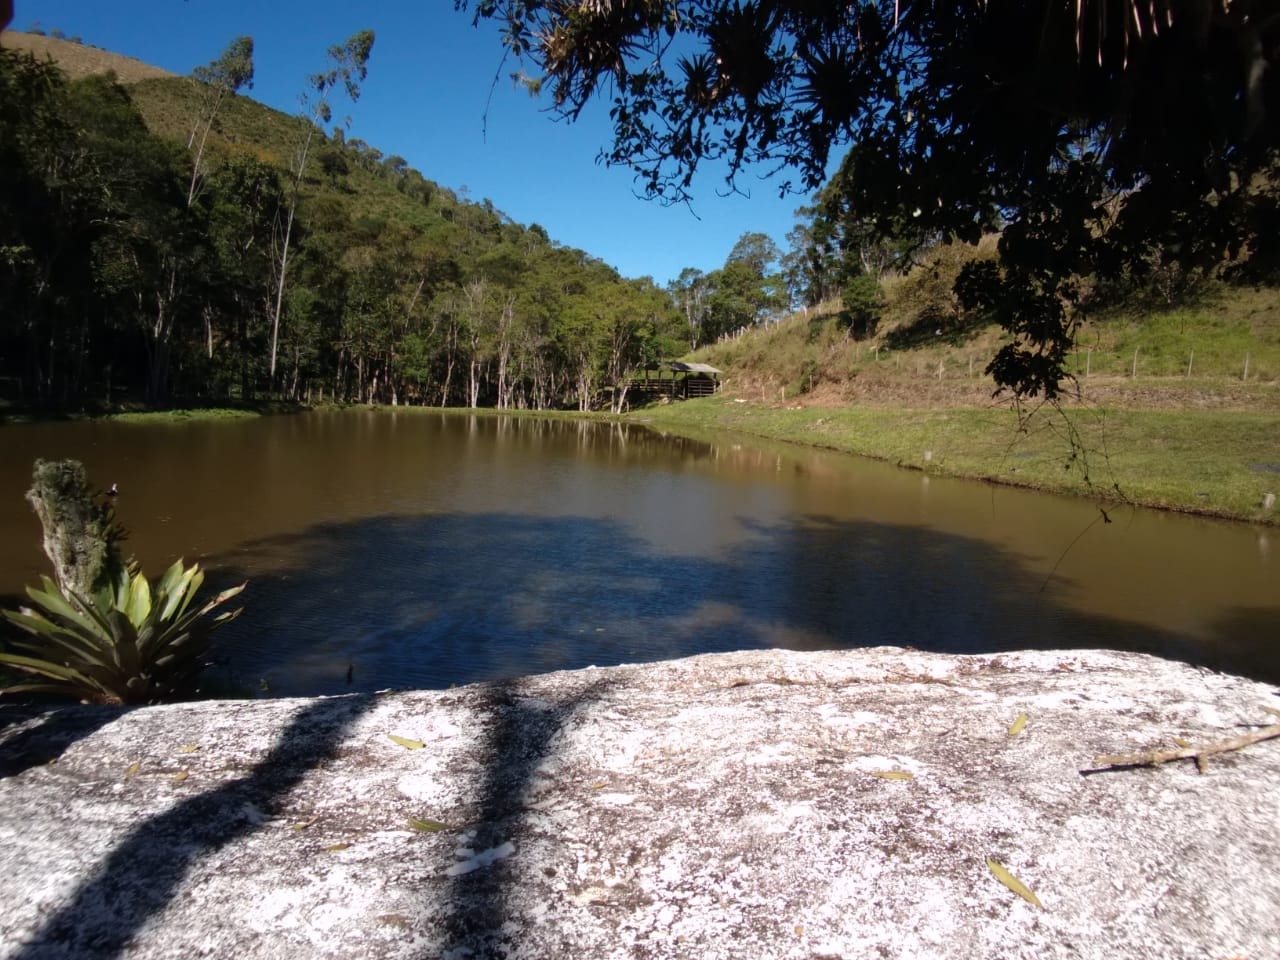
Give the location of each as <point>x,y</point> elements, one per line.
<point>183,416</point>
<point>1209,462</point>
<point>1213,338</point>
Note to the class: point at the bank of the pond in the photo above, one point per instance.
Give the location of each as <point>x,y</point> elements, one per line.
<point>1211,462</point>
<point>139,413</point>
<point>184,415</point>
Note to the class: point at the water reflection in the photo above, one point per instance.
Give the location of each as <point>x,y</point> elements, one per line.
<point>431,601</point>
<point>429,549</point>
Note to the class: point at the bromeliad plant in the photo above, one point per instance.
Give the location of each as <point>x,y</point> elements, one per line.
<point>121,640</point>
<point>126,644</point>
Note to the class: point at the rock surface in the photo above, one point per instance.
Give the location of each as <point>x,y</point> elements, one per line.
<point>722,806</point>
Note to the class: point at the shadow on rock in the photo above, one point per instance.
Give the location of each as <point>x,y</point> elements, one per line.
<point>32,735</point>
<point>522,733</point>
<point>144,871</point>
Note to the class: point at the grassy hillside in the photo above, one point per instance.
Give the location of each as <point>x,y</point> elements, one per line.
<point>1192,355</point>
<point>1165,415</point>
<point>245,127</point>
<point>81,60</point>
<point>248,128</point>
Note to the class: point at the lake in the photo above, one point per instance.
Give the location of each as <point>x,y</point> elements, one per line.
<point>423,549</point>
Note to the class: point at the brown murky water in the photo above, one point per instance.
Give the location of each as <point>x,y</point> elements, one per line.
<point>426,550</point>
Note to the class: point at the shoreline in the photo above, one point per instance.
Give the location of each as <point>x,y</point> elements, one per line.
<point>1207,462</point>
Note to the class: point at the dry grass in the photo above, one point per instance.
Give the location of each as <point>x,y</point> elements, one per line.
<point>79,60</point>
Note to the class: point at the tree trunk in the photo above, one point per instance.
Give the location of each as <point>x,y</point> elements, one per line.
<point>284,248</point>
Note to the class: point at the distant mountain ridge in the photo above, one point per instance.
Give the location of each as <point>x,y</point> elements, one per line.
<point>81,60</point>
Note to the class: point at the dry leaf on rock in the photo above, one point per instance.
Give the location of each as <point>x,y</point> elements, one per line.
<point>1013,883</point>
<point>427,825</point>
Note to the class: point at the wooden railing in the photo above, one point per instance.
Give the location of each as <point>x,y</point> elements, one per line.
<point>681,388</point>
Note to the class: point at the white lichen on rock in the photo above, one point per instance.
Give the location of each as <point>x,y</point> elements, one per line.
<point>733,805</point>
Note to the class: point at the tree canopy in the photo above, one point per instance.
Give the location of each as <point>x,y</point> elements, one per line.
<point>1101,138</point>
<point>119,280</point>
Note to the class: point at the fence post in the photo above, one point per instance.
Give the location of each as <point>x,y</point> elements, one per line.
<point>1190,361</point>
<point>1135,363</point>
<point>1246,366</point>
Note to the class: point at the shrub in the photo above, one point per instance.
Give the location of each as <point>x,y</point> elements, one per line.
<point>863,302</point>
<point>924,301</point>
<point>103,633</point>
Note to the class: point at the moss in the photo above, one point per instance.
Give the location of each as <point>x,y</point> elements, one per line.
<point>79,532</point>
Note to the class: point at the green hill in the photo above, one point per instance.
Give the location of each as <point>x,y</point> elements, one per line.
<point>122,282</point>
<point>1219,347</point>
<point>78,59</point>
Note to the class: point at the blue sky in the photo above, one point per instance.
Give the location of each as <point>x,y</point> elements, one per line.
<point>429,78</point>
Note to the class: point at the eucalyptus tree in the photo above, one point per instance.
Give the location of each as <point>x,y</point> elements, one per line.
<point>689,292</point>
<point>43,225</point>
<point>477,305</point>
<point>218,79</point>
<point>742,292</point>
<point>638,312</point>
<point>348,67</point>
<point>177,232</point>
<point>120,215</point>
<point>810,266</point>
<point>756,250</point>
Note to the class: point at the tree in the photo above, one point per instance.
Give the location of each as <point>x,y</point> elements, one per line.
<point>1092,131</point>
<point>756,250</point>
<point>243,197</point>
<point>348,68</point>
<point>689,292</point>
<point>227,75</point>
<point>737,295</point>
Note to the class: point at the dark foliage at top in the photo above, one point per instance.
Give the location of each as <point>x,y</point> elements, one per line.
<point>1108,137</point>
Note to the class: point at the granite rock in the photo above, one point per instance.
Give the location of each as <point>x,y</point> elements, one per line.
<point>731,805</point>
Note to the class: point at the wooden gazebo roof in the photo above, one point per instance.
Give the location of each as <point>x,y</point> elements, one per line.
<point>680,366</point>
